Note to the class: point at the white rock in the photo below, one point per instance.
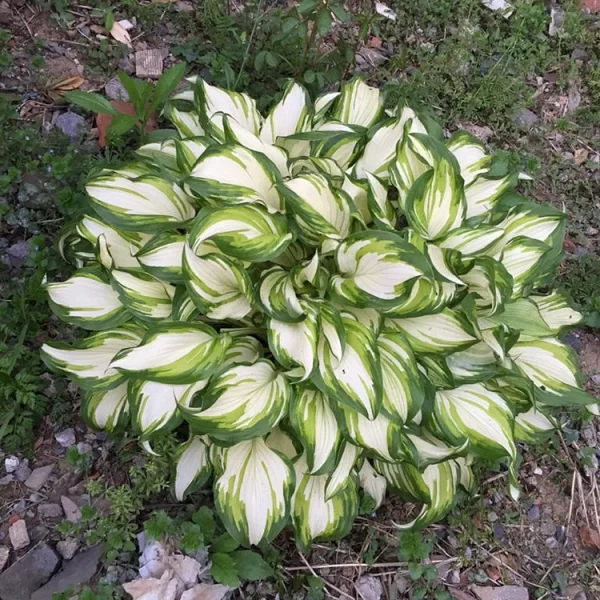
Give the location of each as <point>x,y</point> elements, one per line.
<point>4,554</point>
<point>66,437</point>
<point>185,567</point>
<point>11,464</point>
<point>164,588</point>
<point>369,588</point>
<point>153,561</point>
<point>72,511</point>
<point>19,538</point>
<point>67,548</point>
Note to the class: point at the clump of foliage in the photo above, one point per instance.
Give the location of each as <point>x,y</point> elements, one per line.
<point>330,298</point>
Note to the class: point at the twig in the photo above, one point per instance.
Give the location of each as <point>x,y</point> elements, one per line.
<point>333,587</point>
<point>571,502</point>
<point>388,565</point>
<point>582,500</point>
<point>25,23</point>
<point>247,51</point>
<point>72,42</point>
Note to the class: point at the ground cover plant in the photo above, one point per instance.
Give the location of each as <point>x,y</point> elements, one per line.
<point>332,297</point>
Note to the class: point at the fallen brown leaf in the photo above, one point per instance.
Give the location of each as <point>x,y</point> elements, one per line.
<point>375,42</point>
<point>205,591</point>
<point>125,108</point>
<point>581,155</point>
<point>68,84</point>
<point>590,538</point>
<point>569,245</point>
<point>493,572</point>
<point>164,588</point>
<point>120,34</point>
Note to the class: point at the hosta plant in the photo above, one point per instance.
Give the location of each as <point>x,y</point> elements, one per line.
<point>332,301</point>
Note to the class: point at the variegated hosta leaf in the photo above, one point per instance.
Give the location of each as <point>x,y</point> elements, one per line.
<point>108,410</point>
<point>244,349</point>
<point>88,300</point>
<point>147,203</point>
<point>358,104</point>
<point>192,467</point>
<point>472,241</point>
<point>321,166</point>
<point>354,380</point>
<point>337,142</point>
<point>290,115</point>
<point>238,134</point>
<point>431,450</point>
<point>122,245</point>
<point>441,480</point>
<point>382,211</point>
<point>338,478</point>
<point>405,480</point>
<point>532,221</point>
<point>426,297</point>
<point>174,352</point>
<point>295,344</point>
<point>306,272</point>
<point>375,267</point>
<point>211,100</point>
<point>247,233</point>
<point>319,210</point>
<point>277,296</point>
<point>470,155</point>
<point>475,414</point>
<point>403,393</point>
<point>88,361</point>
<point>147,298</point>
<point>409,164</point>
<point>435,203</point>
<point>252,495</point>
<point>242,402</point>
<point>186,122</point>
<point>184,308</point>
<point>220,288</point>
<point>162,256</point>
<point>381,148</point>
<point>475,364</point>
<point>322,105</point>
<point>522,315</point>
<point>534,426</point>
<point>314,422</point>
<point>373,484</point>
<point>552,366</point>
<point>381,437</point>
<point>490,284</point>
<point>230,174</point>
<point>521,257</point>
<point>358,193</point>
<point>333,330</point>
<point>447,331</point>
<point>556,311</point>
<point>161,153</point>
<point>484,192</point>
<point>315,518</point>
<point>517,390</point>
<point>282,442</point>
<point>189,151</point>
<point>154,406</point>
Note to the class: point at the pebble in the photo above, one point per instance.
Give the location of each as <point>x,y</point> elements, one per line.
<point>67,548</point>
<point>72,511</point>
<point>7,479</point>
<point>114,90</point>
<point>84,448</point>
<point>526,119</point>
<point>596,379</point>
<point>552,543</point>
<point>561,533</point>
<point>71,124</point>
<point>499,532</point>
<point>505,592</point>
<point>4,554</point>
<point>492,516</point>
<point>39,477</point>
<point>66,437</point>
<point>23,471</point>
<point>11,463</point>
<point>50,511</point>
<point>19,538</point>
<point>369,588</point>
<point>538,471</point>
<point>533,514</point>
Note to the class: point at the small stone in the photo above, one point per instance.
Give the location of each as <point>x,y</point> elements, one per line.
<point>26,575</point>
<point>127,65</point>
<point>561,533</point>
<point>39,477</point>
<point>18,254</point>
<point>547,527</point>
<point>20,507</point>
<point>533,514</point>
<point>34,191</point>
<point>498,531</point>
<point>71,124</point>
<point>67,548</point>
<point>526,119</point>
<point>492,516</point>
<point>596,379</point>
<point>66,437</point>
<point>149,63</point>
<point>11,464</point>
<point>580,54</point>
<point>114,90</point>
<point>38,533</point>
<point>19,538</point>
<point>84,448</point>
<point>50,511</point>
<point>4,554</point>
<point>538,471</point>
<point>505,592</point>
<point>369,588</point>
<point>552,543</point>
<point>35,497</point>
<point>23,471</point>
<point>7,479</point>
<point>72,511</point>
